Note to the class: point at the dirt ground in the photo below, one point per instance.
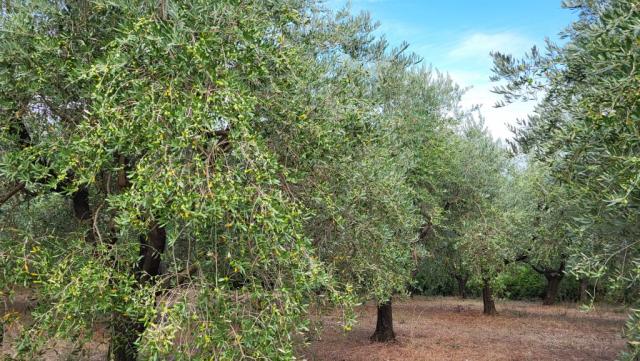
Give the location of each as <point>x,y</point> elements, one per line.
<point>453,329</point>
<point>431,329</point>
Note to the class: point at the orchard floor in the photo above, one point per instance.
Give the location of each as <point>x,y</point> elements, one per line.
<point>453,329</point>
<point>427,329</point>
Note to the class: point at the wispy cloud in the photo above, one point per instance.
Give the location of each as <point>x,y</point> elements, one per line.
<point>469,64</point>
<point>466,77</point>
<point>481,44</point>
<point>496,119</point>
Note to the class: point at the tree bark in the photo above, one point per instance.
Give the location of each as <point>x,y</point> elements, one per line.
<point>553,276</point>
<point>553,285</point>
<point>584,290</point>
<point>2,315</point>
<point>151,250</point>
<point>487,299</point>
<point>384,325</point>
<point>462,286</point>
<point>125,331</point>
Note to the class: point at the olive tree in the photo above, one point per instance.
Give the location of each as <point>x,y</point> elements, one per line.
<point>149,116</point>
<point>477,213</point>
<point>542,224</point>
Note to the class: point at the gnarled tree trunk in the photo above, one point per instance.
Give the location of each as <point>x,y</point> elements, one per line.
<point>384,325</point>
<point>151,250</point>
<point>487,299</point>
<point>125,331</point>
<point>82,210</point>
<point>462,286</point>
<point>553,285</point>
<point>553,276</point>
<point>81,207</point>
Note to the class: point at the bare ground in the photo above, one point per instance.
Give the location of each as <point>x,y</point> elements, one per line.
<point>426,329</point>
<point>453,329</point>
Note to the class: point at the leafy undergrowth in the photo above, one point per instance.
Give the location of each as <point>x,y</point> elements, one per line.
<point>453,329</point>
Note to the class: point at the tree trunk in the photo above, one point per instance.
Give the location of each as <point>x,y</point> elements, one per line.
<point>2,315</point>
<point>487,299</point>
<point>125,331</point>
<point>462,286</point>
<point>584,290</point>
<point>82,210</point>
<point>553,276</point>
<point>384,325</point>
<point>81,207</point>
<point>151,249</point>
<point>17,188</point>
<point>553,285</point>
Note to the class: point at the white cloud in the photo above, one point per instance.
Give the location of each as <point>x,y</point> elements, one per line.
<point>480,44</point>
<point>468,77</point>
<point>469,64</point>
<point>496,119</point>
<point>465,57</point>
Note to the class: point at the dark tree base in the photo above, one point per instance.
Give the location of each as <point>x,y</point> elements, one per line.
<point>487,300</point>
<point>462,286</point>
<point>551,293</point>
<point>388,336</point>
<point>124,330</point>
<point>384,325</point>
<point>584,290</point>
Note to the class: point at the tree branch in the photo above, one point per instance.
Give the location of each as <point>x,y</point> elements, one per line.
<point>17,188</point>
<point>538,269</point>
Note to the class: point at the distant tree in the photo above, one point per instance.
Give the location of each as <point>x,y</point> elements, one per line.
<point>477,216</point>
<point>541,223</point>
<point>421,108</point>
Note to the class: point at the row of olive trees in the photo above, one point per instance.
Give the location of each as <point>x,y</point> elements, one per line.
<point>194,175</point>
<point>499,211</point>
<point>585,134</point>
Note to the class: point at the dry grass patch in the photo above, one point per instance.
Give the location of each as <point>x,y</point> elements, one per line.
<point>452,329</point>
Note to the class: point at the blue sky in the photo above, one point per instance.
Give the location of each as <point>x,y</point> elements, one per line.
<point>456,36</point>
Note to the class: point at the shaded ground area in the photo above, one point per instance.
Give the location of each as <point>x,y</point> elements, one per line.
<point>16,315</point>
<point>452,329</point>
